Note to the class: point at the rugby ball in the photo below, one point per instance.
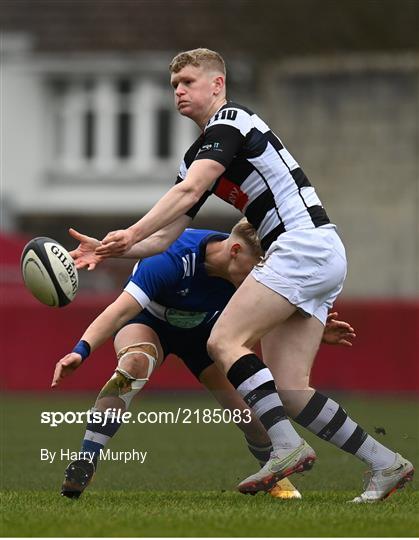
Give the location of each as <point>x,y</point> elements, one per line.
<point>49,272</point>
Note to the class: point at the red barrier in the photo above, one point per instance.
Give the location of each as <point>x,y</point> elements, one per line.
<point>385,354</point>
<point>35,337</point>
<point>384,357</point>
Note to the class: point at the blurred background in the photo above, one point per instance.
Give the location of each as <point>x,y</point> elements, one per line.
<point>90,139</point>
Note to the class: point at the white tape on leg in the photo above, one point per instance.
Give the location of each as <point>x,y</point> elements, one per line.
<point>135,384</point>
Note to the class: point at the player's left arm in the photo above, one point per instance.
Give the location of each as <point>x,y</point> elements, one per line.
<point>160,240</point>
<point>338,332</point>
<point>85,255</point>
<point>175,203</point>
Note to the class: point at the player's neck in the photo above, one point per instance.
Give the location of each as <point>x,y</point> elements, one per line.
<point>215,260</point>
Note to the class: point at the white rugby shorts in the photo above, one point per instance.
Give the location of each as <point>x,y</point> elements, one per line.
<point>307,267</point>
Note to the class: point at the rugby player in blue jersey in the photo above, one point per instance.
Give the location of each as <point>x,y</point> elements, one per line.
<point>169,305</point>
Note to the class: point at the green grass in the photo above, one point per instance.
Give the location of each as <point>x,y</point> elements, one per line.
<point>207,513</point>
<point>186,487</point>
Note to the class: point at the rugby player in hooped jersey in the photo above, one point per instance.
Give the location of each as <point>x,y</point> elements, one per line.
<point>170,305</point>
<point>284,301</point>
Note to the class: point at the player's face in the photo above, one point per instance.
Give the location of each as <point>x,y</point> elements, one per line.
<point>195,91</point>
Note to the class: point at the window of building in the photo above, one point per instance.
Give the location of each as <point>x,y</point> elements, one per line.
<point>105,124</point>
<point>124,119</point>
<point>163,139</point>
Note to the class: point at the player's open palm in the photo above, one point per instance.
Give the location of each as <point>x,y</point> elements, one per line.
<point>338,332</point>
<point>85,255</point>
<point>65,367</point>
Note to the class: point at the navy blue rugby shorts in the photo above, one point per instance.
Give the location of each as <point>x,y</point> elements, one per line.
<point>189,344</point>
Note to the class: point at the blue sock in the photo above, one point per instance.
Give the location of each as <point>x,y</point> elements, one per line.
<point>93,448</point>
<point>98,434</point>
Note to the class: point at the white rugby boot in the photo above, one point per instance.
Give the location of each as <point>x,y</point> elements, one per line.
<point>382,483</point>
<point>284,489</point>
<point>278,467</point>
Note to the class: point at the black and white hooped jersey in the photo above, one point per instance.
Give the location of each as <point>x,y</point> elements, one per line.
<point>261,178</point>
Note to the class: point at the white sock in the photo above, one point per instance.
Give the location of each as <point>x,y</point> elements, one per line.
<point>375,454</point>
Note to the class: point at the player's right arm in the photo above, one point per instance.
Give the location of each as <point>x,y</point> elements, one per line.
<point>85,255</point>
<point>104,326</point>
<point>177,202</point>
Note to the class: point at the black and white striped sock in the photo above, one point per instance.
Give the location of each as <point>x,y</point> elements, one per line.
<point>254,382</point>
<point>329,421</point>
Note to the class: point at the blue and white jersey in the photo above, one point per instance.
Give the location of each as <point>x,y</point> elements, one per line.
<point>175,287</point>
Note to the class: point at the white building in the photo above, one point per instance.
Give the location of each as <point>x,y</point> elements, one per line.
<point>90,138</point>
<point>87,133</point>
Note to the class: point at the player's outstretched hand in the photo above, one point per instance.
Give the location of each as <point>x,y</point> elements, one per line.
<point>116,243</point>
<point>65,367</point>
<point>84,255</point>
<point>338,332</point>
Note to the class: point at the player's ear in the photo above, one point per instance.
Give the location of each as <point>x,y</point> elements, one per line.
<point>235,250</point>
<point>219,84</point>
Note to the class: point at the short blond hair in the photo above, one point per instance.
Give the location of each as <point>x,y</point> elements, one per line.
<point>244,231</point>
<point>206,58</point>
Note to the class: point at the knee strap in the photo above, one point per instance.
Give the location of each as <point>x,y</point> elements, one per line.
<point>147,349</point>
<point>124,385</point>
<point>144,347</point>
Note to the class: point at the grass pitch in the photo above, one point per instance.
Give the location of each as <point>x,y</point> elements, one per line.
<point>186,485</point>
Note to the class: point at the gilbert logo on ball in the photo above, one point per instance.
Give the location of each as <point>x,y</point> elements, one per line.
<point>49,272</point>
